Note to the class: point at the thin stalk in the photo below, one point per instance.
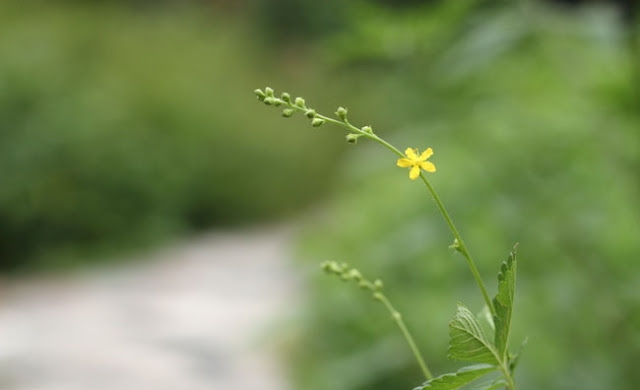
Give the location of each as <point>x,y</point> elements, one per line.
<point>460,243</point>
<point>397,317</point>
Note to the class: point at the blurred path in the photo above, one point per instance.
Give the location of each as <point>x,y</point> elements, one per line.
<point>195,316</point>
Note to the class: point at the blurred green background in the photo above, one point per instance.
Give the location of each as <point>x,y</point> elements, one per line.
<point>124,124</point>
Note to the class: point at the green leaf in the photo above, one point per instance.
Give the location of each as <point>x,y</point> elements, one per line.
<point>457,379</point>
<point>467,340</point>
<point>503,303</point>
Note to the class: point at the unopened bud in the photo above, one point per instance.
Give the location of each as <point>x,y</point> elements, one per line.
<point>378,284</point>
<point>455,246</point>
<point>310,114</point>
<point>287,112</point>
<point>367,129</point>
<point>286,97</point>
<point>269,101</point>
<point>317,122</point>
<point>377,296</point>
<point>342,113</point>
<point>300,102</point>
<point>269,91</point>
<point>261,95</point>
<point>352,138</point>
<point>355,275</point>
<point>335,268</point>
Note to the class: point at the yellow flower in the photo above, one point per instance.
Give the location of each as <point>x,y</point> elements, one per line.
<point>416,162</point>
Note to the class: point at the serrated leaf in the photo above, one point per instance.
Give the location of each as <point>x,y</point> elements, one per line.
<point>503,303</point>
<point>457,379</point>
<point>467,340</point>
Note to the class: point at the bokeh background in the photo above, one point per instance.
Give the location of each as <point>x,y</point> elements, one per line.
<point>128,126</point>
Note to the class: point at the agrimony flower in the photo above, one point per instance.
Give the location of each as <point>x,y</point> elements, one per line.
<point>416,162</point>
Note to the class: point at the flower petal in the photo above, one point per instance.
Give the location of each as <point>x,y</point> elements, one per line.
<point>405,163</point>
<point>411,153</point>
<point>427,166</point>
<point>415,172</point>
<point>426,154</point>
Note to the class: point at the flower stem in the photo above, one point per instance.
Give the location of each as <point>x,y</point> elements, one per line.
<point>461,245</point>
<point>397,317</point>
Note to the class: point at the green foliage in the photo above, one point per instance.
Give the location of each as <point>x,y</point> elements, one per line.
<point>503,304</point>
<point>467,340</point>
<point>459,378</point>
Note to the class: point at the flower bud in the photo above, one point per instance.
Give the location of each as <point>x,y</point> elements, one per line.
<point>378,284</point>
<point>367,129</point>
<point>352,138</point>
<point>261,95</point>
<point>363,285</point>
<point>355,275</point>
<point>342,113</point>
<point>269,91</point>
<point>287,112</point>
<point>286,97</point>
<point>310,114</point>
<point>317,122</point>
<point>456,245</point>
<point>377,296</point>
<point>269,101</point>
<point>300,102</point>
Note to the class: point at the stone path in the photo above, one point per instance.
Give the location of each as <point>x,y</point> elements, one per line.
<point>195,316</point>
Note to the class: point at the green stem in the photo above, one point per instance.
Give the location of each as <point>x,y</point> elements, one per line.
<point>460,243</point>
<point>397,317</point>
<point>511,385</point>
